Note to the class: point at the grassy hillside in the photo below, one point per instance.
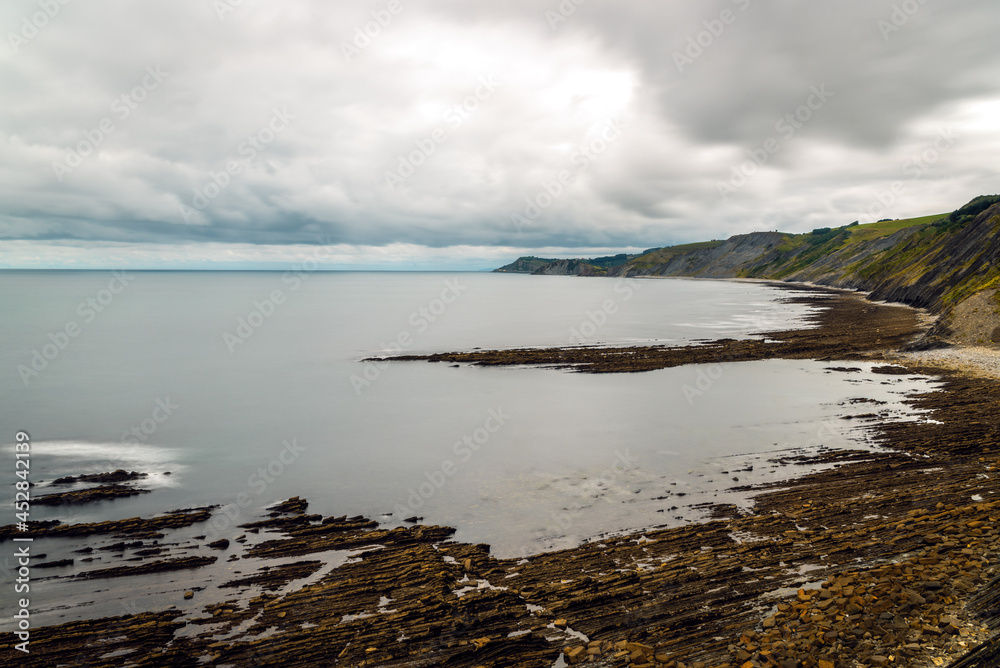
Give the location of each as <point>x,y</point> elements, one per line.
<point>936,261</point>
<point>887,227</point>
<point>951,258</point>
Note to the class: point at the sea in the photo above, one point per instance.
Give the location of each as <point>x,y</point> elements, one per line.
<point>241,389</point>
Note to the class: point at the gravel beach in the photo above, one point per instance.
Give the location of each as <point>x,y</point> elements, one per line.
<point>978,361</point>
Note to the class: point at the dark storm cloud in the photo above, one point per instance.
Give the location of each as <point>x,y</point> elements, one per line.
<point>476,125</point>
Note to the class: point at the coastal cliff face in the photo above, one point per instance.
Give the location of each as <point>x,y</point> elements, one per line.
<point>940,269</point>
<point>935,262</point>
<point>526,265</point>
<point>569,268</point>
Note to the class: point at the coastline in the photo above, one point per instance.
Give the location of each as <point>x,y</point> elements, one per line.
<point>978,361</point>
<point>897,533</point>
<point>845,326</point>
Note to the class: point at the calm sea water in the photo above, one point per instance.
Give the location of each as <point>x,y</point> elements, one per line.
<point>249,388</point>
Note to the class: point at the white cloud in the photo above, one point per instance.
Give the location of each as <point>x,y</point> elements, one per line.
<point>494,104</point>
<point>322,256</point>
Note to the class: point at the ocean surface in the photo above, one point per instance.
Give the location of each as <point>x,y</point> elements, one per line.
<point>245,388</point>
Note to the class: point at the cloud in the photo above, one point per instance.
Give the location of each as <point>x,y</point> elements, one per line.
<point>448,125</point>
<point>320,256</point>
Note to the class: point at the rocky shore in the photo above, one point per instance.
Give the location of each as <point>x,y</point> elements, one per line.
<point>972,360</point>
<point>879,559</point>
<point>845,327</point>
<point>89,495</point>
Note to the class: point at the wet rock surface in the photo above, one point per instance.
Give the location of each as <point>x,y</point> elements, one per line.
<point>292,506</point>
<point>134,526</point>
<point>117,476</point>
<point>89,495</point>
<point>179,564</point>
<point>879,559</point>
<point>272,578</point>
<point>848,326</point>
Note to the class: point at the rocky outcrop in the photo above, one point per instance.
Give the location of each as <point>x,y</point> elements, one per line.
<point>120,475</point>
<point>163,566</point>
<point>976,320</point>
<point>570,268</point>
<point>292,506</point>
<point>539,265</point>
<point>89,495</point>
<point>134,526</point>
<point>525,265</point>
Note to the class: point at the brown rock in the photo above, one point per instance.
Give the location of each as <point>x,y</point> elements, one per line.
<point>574,655</point>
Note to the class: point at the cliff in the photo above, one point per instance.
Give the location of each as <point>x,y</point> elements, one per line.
<point>598,266</point>
<point>935,262</point>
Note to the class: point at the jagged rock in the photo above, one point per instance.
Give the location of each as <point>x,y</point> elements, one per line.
<point>575,655</point>
<point>120,475</point>
<point>182,563</point>
<point>90,495</point>
<point>273,578</point>
<point>132,526</point>
<point>291,506</point>
<point>929,342</point>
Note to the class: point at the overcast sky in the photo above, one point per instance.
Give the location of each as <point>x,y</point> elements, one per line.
<point>460,134</point>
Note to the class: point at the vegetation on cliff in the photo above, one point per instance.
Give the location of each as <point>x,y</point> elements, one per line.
<point>935,262</point>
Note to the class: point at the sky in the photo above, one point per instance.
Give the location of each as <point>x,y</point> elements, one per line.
<point>461,134</point>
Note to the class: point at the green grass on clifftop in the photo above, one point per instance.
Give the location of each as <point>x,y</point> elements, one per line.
<point>663,254</point>
<point>887,227</point>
